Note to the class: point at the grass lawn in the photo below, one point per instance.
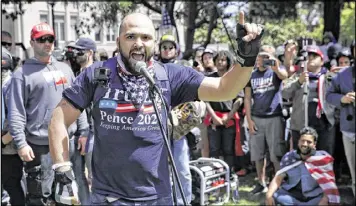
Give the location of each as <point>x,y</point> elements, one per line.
<point>247,183</point>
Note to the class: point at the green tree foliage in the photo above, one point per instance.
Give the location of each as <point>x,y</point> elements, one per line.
<point>277,32</point>
<point>102,13</point>
<point>347,30</point>
<point>218,35</point>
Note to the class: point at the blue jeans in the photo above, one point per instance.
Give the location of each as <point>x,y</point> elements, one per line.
<point>283,197</point>
<point>78,162</point>
<point>97,199</point>
<point>180,152</point>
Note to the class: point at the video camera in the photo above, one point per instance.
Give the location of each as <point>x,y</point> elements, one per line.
<point>302,43</point>
<point>102,76</point>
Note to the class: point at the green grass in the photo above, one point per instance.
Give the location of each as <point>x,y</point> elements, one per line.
<point>247,183</point>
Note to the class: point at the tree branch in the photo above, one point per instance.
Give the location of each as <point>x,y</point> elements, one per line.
<point>149,6</point>
<point>201,22</point>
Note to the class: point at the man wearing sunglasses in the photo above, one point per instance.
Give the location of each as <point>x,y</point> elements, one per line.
<point>320,112</point>
<point>6,40</point>
<point>34,91</point>
<point>85,56</point>
<point>86,49</point>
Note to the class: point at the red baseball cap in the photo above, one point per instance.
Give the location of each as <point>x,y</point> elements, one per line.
<point>316,50</point>
<point>40,30</point>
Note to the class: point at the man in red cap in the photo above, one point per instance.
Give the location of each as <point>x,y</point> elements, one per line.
<point>320,113</point>
<point>34,91</point>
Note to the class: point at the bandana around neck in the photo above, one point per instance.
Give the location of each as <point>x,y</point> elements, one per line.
<point>135,85</point>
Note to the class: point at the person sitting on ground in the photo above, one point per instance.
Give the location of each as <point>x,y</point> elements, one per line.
<point>306,176</point>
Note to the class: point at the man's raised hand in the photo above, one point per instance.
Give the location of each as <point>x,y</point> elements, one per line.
<point>248,41</point>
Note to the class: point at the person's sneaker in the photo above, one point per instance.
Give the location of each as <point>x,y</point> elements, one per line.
<point>258,189</point>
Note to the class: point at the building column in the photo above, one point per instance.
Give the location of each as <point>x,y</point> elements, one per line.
<point>67,22</point>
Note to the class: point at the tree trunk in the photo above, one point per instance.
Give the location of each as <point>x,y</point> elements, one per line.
<point>332,13</point>
<point>192,15</point>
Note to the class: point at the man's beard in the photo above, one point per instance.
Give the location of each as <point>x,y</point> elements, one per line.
<point>131,62</point>
<point>81,59</point>
<point>306,152</point>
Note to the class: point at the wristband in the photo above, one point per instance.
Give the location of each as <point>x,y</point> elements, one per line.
<point>58,165</point>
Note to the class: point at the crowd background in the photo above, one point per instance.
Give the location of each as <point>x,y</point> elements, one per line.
<point>204,48</point>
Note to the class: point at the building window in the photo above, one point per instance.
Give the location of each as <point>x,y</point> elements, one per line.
<point>73,22</point>
<point>98,34</point>
<point>111,34</point>
<point>44,18</point>
<point>59,27</point>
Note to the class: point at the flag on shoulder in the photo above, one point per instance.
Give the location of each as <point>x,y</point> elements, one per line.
<point>320,167</point>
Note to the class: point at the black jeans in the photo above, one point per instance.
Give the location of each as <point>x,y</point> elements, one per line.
<point>222,142</point>
<point>11,175</point>
<point>78,162</point>
<point>40,177</point>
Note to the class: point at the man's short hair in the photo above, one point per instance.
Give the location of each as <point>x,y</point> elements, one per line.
<point>309,131</point>
<point>5,33</point>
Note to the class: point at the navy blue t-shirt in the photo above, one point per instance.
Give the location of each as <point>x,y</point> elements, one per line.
<point>129,156</point>
<point>266,93</point>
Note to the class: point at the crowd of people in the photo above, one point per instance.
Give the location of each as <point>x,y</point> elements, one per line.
<point>281,111</point>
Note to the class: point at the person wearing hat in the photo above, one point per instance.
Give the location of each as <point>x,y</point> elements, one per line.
<point>168,49</point>
<point>320,112</point>
<point>86,49</point>
<point>264,117</point>
<point>11,164</point>
<point>34,91</point>
<point>207,58</point>
<point>168,53</point>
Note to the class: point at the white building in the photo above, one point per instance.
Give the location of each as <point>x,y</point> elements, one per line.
<point>66,16</point>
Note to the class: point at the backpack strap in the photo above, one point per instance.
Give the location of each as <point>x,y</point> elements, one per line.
<point>163,82</point>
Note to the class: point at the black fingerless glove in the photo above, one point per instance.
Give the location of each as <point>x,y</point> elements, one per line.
<point>247,51</point>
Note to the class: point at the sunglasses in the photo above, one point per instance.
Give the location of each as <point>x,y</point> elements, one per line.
<point>81,52</point>
<point>6,44</point>
<point>312,55</point>
<point>42,40</point>
<point>167,48</point>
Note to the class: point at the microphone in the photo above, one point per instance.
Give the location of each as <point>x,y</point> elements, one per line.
<point>140,67</point>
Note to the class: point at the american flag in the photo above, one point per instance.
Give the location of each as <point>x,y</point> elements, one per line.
<point>124,107</point>
<point>166,19</point>
<point>320,167</point>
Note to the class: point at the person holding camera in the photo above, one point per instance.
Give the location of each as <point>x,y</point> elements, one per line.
<point>130,164</point>
<point>341,94</point>
<point>264,117</point>
<point>33,92</point>
<point>320,113</point>
<point>197,63</point>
